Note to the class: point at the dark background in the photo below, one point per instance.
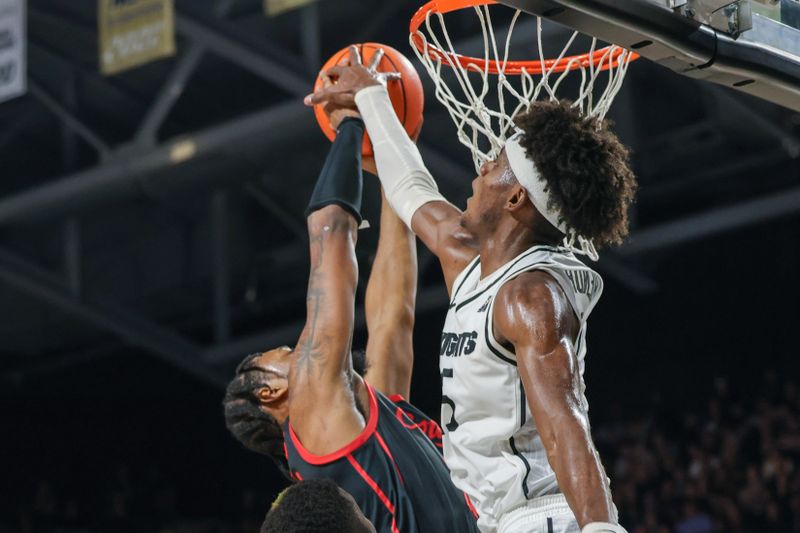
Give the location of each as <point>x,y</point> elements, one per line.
<point>128,294</point>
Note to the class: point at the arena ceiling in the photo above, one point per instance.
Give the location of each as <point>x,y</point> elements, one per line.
<point>113,240</point>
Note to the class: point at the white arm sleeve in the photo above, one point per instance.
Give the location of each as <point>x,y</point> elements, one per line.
<point>407,183</point>
<point>603,527</point>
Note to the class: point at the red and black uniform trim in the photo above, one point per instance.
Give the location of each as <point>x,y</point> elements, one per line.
<point>406,412</point>
<point>393,469</point>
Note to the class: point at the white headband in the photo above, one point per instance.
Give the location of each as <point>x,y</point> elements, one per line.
<point>529,177</point>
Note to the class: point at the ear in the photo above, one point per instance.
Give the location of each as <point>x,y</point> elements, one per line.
<point>518,199</point>
<point>269,395</point>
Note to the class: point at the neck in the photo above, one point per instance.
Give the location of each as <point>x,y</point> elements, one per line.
<point>506,243</point>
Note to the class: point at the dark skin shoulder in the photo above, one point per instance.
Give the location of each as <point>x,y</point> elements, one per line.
<point>533,315</point>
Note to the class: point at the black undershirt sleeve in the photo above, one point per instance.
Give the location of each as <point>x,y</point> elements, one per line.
<point>341,179</point>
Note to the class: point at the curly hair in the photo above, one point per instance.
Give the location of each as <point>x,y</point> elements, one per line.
<point>585,166</point>
<point>312,506</point>
<point>256,430</point>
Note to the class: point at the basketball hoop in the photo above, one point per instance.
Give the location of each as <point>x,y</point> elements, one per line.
<point>475,121</point>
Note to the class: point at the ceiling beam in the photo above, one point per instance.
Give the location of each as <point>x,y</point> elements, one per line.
<point>239,54</point>
<point>311,39</point>
<point>168,95</point>
<point>629,277</point>
<point>173,87</point>
<point>24,276</point>
<point>713,222</point>
<point>281,215</point>
<point>720,171</point>
<point>65,116</point>
<point>727,101</point>
<point>120,175</point>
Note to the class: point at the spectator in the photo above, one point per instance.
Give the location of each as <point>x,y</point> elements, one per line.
<point>731,466</point>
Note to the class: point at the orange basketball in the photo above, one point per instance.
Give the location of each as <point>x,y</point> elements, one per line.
<point>406,94</point>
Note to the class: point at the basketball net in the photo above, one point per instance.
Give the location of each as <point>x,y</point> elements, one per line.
<point>518,84</point>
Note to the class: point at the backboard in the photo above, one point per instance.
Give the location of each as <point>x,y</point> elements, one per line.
<point>750,45</point>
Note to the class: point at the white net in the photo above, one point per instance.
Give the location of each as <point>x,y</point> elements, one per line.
<point>483,128</point>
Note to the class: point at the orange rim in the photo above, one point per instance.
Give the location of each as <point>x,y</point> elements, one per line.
<point>599,58</point>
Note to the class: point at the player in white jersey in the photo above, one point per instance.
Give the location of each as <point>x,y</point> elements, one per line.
<point>517,436</point>
<point>492,437</point>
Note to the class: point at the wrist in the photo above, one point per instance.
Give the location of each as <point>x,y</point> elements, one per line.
<point>369,91</point>
<point>340,181</point>
<point>357,121</point>
<point>603,527</point>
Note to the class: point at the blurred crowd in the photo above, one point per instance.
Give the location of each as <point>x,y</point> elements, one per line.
<point>728,463</point>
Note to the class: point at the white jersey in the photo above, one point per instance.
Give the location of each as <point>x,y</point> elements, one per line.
<point>491,443</point>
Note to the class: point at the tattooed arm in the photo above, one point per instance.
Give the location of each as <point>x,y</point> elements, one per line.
<point>322,409</point>
<point>321,404</point>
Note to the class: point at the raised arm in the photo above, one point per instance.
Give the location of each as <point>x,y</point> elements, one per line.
<point>408,184</point>
<point>390,300</point>
<point>533,314</point>
<point>322,409</point>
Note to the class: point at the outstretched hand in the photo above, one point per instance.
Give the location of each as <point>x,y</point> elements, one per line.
<point>336,113</point>
<point>350,78</point>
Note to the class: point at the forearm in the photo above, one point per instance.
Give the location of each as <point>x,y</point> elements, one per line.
<point>407,182</point>
<point>321,407</point>
<point>333,216</point>
<point>580,474</point>
<point>390,300</point>
<point>324,344</point>
<point>392,286</point>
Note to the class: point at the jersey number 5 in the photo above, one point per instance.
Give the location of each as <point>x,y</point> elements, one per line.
<point>452,425</point>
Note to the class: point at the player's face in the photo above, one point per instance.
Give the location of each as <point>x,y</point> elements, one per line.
<point>274,396</point>
<point>364,525</point>
<point>489,194</point>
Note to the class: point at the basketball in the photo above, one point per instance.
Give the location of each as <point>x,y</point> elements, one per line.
<point>406,94</point>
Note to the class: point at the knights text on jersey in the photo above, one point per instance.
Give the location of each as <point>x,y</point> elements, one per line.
<point>491,443</point>
<point>394,470</point>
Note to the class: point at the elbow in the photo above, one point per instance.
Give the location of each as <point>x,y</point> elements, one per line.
<point>568,439</point>
<point>329,219</point>
<point>553,448</point>
<point>404,317</point>
<point>392,319</point>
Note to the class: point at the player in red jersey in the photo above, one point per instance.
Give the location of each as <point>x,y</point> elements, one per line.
<point>310,403</point>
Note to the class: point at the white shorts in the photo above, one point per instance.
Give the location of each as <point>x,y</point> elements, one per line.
<point>547,514</point>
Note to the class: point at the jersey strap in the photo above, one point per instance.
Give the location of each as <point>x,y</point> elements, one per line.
<point>463,277</point>
<point>554,270</point>
<point>517,265</point>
